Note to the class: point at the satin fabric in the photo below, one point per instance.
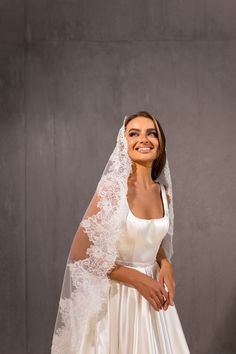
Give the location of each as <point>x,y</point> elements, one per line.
<point>134,326</point>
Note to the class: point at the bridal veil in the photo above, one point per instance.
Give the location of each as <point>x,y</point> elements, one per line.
<point>93,251</point>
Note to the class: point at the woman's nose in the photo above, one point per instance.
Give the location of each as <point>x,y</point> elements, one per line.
<point>143,138</point>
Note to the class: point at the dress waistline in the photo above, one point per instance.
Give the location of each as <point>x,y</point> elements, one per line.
<point>134,264</point>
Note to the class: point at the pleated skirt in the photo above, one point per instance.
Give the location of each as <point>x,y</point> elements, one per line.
<point>134,327</point>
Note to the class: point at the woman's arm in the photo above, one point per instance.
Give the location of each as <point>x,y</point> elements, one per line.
<point>166,276</point>
<point>148,287</point>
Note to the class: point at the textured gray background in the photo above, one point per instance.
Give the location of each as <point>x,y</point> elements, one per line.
<point>69,71</point>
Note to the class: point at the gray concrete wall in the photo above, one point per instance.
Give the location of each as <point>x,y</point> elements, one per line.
<point>69,71</point>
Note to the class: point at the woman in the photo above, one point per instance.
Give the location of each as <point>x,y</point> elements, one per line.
<point>119,281</point>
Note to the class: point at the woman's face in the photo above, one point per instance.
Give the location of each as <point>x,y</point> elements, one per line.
<point>142,138</point>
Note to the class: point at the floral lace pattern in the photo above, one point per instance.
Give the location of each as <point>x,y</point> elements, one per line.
<point>86,282</point>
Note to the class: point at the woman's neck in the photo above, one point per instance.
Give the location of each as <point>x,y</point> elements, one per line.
<point>142,175</point>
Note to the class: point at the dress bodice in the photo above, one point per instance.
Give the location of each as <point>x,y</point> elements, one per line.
<point>142,238</point>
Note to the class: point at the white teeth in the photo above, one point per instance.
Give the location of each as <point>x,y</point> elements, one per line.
<point>144,149</point>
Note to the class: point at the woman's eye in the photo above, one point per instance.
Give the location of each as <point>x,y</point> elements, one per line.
<point>150,133</point>
<point>153,133</point>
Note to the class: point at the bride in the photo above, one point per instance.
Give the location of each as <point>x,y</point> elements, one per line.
<point>118,289</point>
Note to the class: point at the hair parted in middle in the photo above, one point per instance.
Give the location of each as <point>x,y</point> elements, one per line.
<point>159,162</point>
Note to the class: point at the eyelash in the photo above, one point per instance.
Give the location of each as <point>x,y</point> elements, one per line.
<point>134,133</point>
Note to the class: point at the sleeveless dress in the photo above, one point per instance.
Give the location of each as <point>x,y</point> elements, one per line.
<point>134,326</point>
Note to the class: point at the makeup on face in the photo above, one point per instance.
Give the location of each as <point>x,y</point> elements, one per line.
<point>142,138</point>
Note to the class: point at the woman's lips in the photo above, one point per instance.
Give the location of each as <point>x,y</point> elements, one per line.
<point>145,150</point>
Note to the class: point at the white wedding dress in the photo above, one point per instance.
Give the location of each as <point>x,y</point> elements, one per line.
<point>134,326</point>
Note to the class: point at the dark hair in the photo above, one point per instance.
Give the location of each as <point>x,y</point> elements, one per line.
<point>160,161</point>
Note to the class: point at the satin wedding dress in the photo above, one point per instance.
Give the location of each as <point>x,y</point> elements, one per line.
<point>134,326</point>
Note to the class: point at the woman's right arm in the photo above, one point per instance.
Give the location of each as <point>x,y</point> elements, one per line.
<point>148,287</point>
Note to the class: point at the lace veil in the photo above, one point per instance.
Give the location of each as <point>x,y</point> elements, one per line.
<point>93,251</point>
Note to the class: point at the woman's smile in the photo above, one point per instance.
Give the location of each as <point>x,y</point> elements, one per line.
<point>144,150</point>
<point>142,138</point>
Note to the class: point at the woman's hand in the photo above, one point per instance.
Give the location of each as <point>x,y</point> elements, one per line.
<point>152,290</point>
<point>166,277</point>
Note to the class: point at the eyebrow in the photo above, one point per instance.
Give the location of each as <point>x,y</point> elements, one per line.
<point>148,130</point>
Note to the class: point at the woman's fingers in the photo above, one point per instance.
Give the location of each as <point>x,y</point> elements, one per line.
<point>171,290</point>
<point>154,304</point>
<point>166,305</point>
<point>154,292</point>
<point>160,304</point>
<point>168,280</point>
<point>164,292</point>
<point>161,292</point>
<point>159,299</point>
<point>163,297</point>
<point>171,297</point>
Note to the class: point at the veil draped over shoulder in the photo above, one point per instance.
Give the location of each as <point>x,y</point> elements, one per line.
<point>94,251</point>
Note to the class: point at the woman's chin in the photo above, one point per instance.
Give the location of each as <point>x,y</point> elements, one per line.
<point>143,160</point>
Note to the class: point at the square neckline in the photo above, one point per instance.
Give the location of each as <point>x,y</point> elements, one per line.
<point>154,219</point>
